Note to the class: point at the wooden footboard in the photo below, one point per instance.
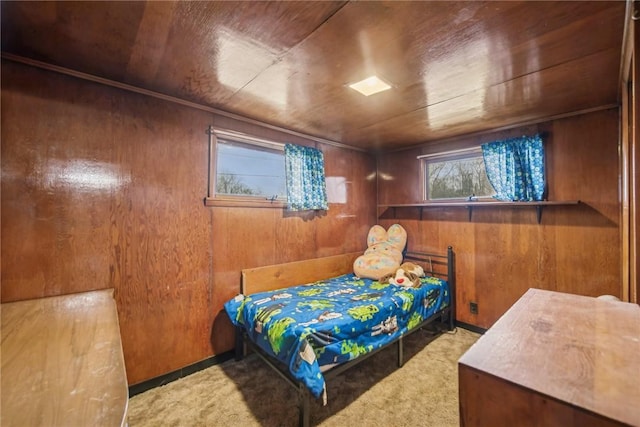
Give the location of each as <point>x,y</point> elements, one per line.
<point>278,276</point>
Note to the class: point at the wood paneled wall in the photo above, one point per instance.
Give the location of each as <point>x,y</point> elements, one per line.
<point>104,188</point>
<point>502,252</point>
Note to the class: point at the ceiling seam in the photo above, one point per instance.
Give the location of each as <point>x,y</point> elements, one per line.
<point>286,52</point>
<point>423,107</point>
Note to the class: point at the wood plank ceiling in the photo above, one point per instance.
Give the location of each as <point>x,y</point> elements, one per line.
<point>455,67</point>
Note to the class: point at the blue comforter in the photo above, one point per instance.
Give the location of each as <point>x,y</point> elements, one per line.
<point>333,321</point>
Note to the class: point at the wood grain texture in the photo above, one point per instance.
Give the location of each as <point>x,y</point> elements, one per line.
<point>62,362</point>
<point>455,67</point>
<point>579,351</point>
<point>489,401</point>
<point>502,252</point>
<point>159,242</point>
<point>248,238</point>
<point>272,277</point>
<point>58,178</point>
<point>112,199</point>
<point>103,188</point>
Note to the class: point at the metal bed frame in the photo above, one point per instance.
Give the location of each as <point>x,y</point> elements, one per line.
<point>446,316</point>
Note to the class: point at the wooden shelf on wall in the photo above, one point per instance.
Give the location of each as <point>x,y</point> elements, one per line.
<point>470,205</point>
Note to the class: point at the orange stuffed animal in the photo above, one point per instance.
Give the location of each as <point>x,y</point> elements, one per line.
<point>384,253</point>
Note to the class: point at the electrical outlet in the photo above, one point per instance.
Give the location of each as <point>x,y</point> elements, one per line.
<point>473,307</point>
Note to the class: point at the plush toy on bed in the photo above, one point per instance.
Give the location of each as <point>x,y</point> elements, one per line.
<point>408,276</point>
<point>384,253</point>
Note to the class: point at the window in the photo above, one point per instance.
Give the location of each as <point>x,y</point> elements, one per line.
<point>456,175</point>
<point>246,171</point>
<point>249,170</point>
<point>253,172</point>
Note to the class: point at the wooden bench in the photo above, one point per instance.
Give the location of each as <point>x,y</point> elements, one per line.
<point>555,359</point>
<point>62,362</point>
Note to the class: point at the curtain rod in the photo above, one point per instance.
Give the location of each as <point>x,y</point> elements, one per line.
<point>448,153</point>
<point>243,137</point>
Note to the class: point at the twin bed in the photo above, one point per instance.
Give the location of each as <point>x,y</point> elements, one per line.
<point>311,320</point>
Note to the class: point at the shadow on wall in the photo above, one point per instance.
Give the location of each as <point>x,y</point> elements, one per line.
<point>222,333</point>
<point>304,215</point>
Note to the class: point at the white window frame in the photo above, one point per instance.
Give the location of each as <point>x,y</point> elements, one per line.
<point>426,159</point>
<point>215,199</point>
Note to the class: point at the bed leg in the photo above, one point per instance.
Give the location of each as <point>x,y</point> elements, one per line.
<point>239,344</point>
<point>400,353</point>
<point>452,319</point>
<point>303,397</point>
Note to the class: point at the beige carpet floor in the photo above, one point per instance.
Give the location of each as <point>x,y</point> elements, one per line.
<point>424,392</point>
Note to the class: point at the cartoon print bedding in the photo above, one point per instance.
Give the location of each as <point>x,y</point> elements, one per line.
<point>333,321</point>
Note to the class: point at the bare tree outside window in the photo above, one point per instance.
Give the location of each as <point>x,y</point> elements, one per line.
<point>228,183</point>
<point>249,170</point>
<point>457,178</point>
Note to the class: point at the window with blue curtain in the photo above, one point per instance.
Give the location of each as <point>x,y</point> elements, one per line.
<point>306,187</point>
<point>515,168</point>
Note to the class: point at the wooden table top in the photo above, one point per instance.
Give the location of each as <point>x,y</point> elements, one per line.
<point>580,350</point>
<point>62,362</point>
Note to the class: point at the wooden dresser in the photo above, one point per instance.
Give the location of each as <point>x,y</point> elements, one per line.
<point>62,362</point>
<point>555,359</point>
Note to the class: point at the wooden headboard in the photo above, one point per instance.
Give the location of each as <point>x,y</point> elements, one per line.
<point>279,276</point>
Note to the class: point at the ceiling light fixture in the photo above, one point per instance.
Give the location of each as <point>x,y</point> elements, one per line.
<point>370,85</point>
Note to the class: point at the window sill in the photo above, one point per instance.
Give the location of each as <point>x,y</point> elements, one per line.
<point>232,202</point>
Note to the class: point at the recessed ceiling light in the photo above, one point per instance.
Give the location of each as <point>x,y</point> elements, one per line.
<point>370,85</point>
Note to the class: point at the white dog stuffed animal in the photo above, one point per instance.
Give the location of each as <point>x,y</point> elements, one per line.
<point>408,276</point>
